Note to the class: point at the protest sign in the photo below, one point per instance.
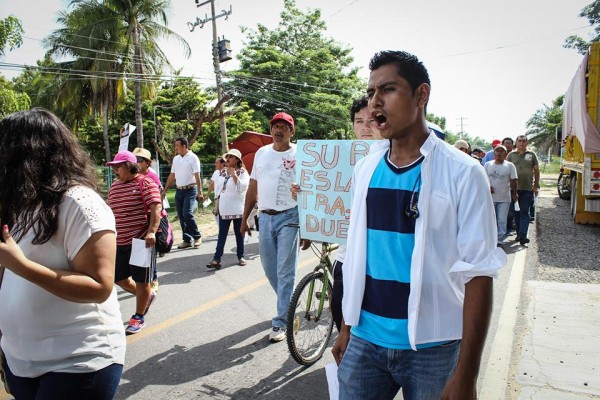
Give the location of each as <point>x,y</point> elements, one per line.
<point>124,134</point>
<point>324,173</point>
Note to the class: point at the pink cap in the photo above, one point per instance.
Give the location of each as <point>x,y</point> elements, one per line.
<point>121,157</point>
<point>283,117</point>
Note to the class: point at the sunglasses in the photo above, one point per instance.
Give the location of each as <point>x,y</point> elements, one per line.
<point>140,159</point>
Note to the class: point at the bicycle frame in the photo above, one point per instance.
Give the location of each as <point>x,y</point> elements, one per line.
<point>326,265</point>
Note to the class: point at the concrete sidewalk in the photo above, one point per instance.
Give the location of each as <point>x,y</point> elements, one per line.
<point>560,358</point>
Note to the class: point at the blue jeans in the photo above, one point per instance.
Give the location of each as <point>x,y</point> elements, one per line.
<point>501,210</point>
<point>522,216</point>
<point>98,385</point>
<point>184,201</point>
<point>279,247</point>
<point>224,225</point>
<point>368,371</point>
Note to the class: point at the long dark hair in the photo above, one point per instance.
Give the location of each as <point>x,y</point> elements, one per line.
<point>40,159</point>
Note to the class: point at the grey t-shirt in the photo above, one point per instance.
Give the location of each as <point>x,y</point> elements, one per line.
<point>500,176</point>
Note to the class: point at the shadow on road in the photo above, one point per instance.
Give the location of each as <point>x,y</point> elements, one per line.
<point>180,365</point>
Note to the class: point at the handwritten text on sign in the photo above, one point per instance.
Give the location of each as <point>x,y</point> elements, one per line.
<point>324,173</point>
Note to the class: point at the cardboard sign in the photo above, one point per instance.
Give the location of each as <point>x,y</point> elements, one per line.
<point>324,173</point>
<point>124,133</point>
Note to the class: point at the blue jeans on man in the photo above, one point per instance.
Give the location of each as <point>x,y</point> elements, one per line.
<point>501,209</point>
<point>279,248</point>
<point>369,371</point>
<point>522,216</point>
<point>184,201</point>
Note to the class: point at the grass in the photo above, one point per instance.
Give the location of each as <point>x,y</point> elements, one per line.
<point>552,167</point>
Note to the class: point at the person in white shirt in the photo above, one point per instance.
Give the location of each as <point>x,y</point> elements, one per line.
<point>214,185</point>
<point>503,186</point>
<point>186,172</point>
<point>272,175</point>
<point>421,253</point>
<point>62,332</point>
<point>233,186</point>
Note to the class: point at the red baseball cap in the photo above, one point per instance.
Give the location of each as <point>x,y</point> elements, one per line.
<point>496,142</point>
<point>282,117</point>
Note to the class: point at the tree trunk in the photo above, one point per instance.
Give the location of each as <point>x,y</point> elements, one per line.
<point>105,130</point>
<point>138,87</point>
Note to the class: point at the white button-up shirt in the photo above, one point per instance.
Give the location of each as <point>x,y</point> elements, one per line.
<point>455,240</point>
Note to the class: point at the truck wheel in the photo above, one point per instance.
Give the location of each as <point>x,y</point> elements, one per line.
<point>574,196</point>
<point>564,186</point>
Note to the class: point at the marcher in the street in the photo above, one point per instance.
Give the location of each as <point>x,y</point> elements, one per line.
<point>233,187</point>
<point>528,186</point>
<point>186,172</point>
<point>462,145</point>
<point>62,333</point>
<point>144,160</point>
<point>509,143</point>
<point>272,175</point>
<point>135,201</point>
<point>489,156</point>
<point>503,186</point>
<point>213,186</point>
<point>417,283</point>
<point>364,128</point>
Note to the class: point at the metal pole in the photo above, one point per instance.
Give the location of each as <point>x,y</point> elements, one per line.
<point>156,143</point>
<point>224,145</point>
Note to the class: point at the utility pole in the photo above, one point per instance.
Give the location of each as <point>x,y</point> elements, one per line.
<point>462,124</point>
<point>216,62</point>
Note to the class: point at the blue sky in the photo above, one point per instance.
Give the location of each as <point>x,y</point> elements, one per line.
<point>491,63</point>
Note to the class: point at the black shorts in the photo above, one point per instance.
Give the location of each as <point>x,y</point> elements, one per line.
<point>124,270</point>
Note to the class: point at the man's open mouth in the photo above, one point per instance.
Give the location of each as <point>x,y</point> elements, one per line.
<point>380,120</point>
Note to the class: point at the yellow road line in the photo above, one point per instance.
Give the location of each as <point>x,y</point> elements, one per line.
<point>194,311</point>
<point>206,306</point>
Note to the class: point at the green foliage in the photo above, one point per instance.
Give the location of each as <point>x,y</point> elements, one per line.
<point>10,33</point>
<point>296,69</point>
<point>592,13</point>
<point>541,127</point>
<point>439,121</point>
<point>11,100</point>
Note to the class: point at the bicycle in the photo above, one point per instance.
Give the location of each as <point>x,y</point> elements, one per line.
<point>309,318</point>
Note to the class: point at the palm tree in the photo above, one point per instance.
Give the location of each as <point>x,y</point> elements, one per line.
<point>541,127</point>
<point>141,23</point>
<point>94,70</point>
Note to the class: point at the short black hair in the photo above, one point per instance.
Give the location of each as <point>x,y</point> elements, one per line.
<point>409,66</point>
<point>508,138</point>
<point>358,105</point>
<point>182,140</point>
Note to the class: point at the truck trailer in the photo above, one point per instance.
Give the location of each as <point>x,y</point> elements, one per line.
<point>580,167</point>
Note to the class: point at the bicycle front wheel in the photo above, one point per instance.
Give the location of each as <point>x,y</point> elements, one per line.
<point>308,326</point>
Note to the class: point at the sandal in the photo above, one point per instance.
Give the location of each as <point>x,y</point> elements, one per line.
<point>214,264</point>
<point>242,262</point>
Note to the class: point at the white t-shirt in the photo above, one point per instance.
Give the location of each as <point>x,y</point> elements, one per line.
<point>44,333</point>
<point>217,182</point>
<point>233,195</point>
<point>184,169</point>
<point>500,176</point>
<point>274,172</point>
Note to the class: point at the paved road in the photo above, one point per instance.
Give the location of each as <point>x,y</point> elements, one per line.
<point>206,335</point>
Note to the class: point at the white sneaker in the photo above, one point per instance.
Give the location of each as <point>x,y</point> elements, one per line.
<point>277,334</point>
<point>197,243</point>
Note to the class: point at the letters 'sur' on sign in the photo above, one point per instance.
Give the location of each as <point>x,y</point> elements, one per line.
<point>324,173</point>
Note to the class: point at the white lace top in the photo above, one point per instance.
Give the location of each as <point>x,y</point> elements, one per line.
<point>44,333</point>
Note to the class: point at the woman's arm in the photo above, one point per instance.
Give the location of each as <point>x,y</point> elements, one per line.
<point>90,280</point>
